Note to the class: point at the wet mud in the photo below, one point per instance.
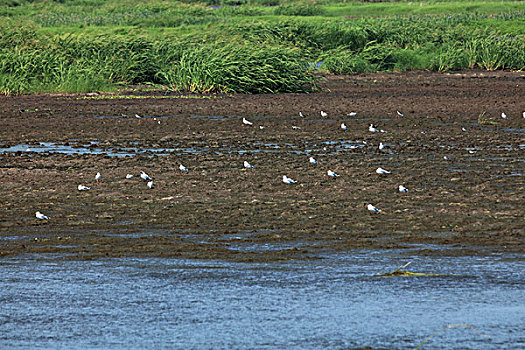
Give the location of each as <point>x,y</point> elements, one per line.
<point>462,163</point>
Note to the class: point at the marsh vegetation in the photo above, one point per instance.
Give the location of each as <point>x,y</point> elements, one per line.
<point>257,46</point>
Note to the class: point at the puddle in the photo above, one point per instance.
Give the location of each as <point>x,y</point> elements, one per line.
<point>50,147</point>
<point>13,238</point>
<point>345,145</point>
<point>508,175</point>
<point>212,117</point>
<point>129,116</point>
<point>346,119</point>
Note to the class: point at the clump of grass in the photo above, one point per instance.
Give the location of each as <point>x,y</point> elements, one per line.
<point>299,9</point>
<point>401,272</point>
<point>460,325</point>
<point>486,118</point>
<point>240,67</point>
<point>78,64</point>
<point>376,57</point>
<point>316,37</point>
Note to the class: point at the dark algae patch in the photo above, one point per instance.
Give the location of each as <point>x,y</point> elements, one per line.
<point>463,166</point>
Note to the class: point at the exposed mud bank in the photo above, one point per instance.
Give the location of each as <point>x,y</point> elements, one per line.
<point>471,202</point>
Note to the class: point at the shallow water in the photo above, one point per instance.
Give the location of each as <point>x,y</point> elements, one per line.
<point>135,149</point>
<point>333,302</point>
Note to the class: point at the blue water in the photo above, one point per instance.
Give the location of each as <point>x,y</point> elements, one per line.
<point>333,302</point>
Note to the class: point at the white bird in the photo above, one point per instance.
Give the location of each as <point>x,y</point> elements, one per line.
<point>145,176</point>
<point>373,209</point>
<point>463,129</point>
<point>246,122</point>
<point>137,116</point>
<point>381,146</point>
<point>98,177</point>
<point>523,114</point>
<point>372,128</point>
<point>400,114</point>
<point>150,184</point>
<point>504,116</point>
<point>129,176</point>
<point>41,216</point>
<point>343,126</point>
<point>83,188</point>
<point>261,127</point>
<point>382,171</point>
<point>312,160</point>
<point>402,189</point>
<point>296,127</point>
<point>331,173</point>
<point>324,114</point>
<point>301,115</point>
<point>248,165</point>
<point>446,158</point>
<point>183,168</point>
<point>28,150</point>
<point>287,180</point>
<point>352,114</point>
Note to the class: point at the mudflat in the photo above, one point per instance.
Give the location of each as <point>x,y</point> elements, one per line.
<point>462,163</point>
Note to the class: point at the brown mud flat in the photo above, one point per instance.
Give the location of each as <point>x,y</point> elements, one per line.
<point>471,203</point>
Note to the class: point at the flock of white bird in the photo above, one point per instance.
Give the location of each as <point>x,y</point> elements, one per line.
<point>285,179</point>
<point>331,173</point>
<point>143,176</point>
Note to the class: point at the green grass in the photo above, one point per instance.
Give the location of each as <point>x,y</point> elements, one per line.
<point>246,46</point>
<point>419,8</point>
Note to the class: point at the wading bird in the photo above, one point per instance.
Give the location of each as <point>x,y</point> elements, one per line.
<point>373,209</point>
<point>382,171</point>
<point>145,176</point>
<point>41,216</point>
<point>288,181</point>
<point>83,188</point>
<point>331,173</point>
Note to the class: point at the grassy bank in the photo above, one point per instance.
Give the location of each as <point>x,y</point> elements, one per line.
<point>251,47</point>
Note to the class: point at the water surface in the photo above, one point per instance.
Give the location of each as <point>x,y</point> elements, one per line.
<point>332,302</point>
